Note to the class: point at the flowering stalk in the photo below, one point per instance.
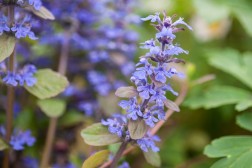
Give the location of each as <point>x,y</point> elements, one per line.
<point>146,104</point>
<point>10,93</point>
<point>53,121</point>
<point>17,25</point>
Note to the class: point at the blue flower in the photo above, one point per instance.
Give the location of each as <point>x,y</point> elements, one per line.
<point>148,68</point>
<point>30,162</point>
<point>27,76</point>
<point>152,18</point>
<point>20,139</point>
<point>150,119</point>
<point>124,165</point>
<point>134,112</point>
<point>180,21</point>
<point>87,107</point>
<point>169,88</point>
<point>4,25</point>
<point>175,50</point>
<point>158,97</point>
<point>132,108</point>
<point>148,44</point>
<point>22,31</point>
<point>11,79</point>
<point>116,124</point>
<point>125,104</point>
<point>36,4</point>
<point>165,32</point>
<point>160,74</point>
<point>148,143</point>
<point>145,91</point>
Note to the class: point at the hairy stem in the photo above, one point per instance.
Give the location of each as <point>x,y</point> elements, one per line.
<point>53,121</point>
<point>118,154</point>
<point>10,94</point>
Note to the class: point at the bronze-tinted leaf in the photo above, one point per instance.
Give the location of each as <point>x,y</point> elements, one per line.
<point>42,12</point>
<point>137,129</point>
<point>126,92</point>
<point>171,105</point>
<point>152,158</point>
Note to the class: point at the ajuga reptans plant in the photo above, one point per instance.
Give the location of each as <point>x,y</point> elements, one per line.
<point>147,103</point>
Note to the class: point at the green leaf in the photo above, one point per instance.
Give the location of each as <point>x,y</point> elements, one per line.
<point>137,129</point>
<point>171,105</point>
<point>218,11</point>
<point>241,9</point>
<point>49,84</point>
<point>217,96</point>
<point>52,107</point>
<point>98,135</point>
<point>152,158</point>
<point>71,118</point>
<point>232,62</point>
<point>3,145</point>
<point>7,45</point>
<point>237,151</point>
<point>126,92</point>
<point>245,121</point>
<point>243,105</point>
<point>96,159</point>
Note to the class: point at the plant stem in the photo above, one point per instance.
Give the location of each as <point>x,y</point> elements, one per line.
<point>153,131</point>
<point>10,95</point>
<point>53,121</point>
<point>118,154</point>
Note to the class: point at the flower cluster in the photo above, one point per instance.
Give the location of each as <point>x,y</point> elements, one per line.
<point>23,77</point>
<point>22,23</point>
<point>19,138</point>
<point>151,78</point>
<point>109,49</point>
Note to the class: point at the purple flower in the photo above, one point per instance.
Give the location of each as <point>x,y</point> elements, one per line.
<point>30,162</point>
<point>116,124</point>
<point>165,32</point>
<point>146,91</point>
<point>175,50</point>
<point>87,107</point>
<point>148,44</point>
<point>36,4</point>
<point>158,97</point>
<point>148,68</point>
<point>11,79</point>
<point>23,30</point>
<point>180,21</point>
<point>160,74</point>
<point>148,143</point>
<point>3,25</point>
<point>152,18</point>
<point>150,119</point>
<point>125,104</point>
<point>169,88</point>
<point>124,165</point>
<point>134,112</point>
<point>20,139</point>
<point>27,76</point>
